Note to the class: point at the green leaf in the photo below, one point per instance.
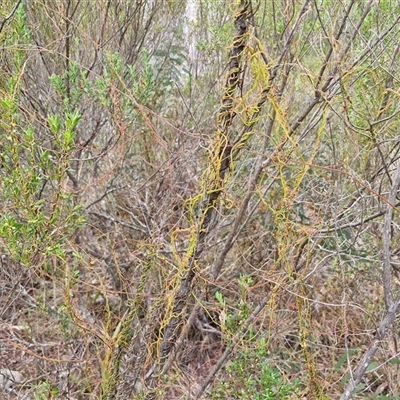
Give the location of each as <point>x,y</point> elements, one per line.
<point>29,134</point>
<point>373,365</point>
<point>72,120</point>
<point>343,358</point>
<point>220,298</point>
<point>55,123</point>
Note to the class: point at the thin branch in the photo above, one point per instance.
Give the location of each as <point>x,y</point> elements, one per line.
<point>391,306</point>
<point>366,359</point>
<point>229,349</point>
<point>9,16</point>
<point>386,240</point>
<point>214,187</point>
<point>335,39</point>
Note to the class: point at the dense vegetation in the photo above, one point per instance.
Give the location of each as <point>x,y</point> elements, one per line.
<point>199,199</point>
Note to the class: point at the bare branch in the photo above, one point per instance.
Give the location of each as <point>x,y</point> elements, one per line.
<point>391,307</point>
<point>229,349</point>
<point>9,16</point>
<point>387,287</point>
<point>366,359</point>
